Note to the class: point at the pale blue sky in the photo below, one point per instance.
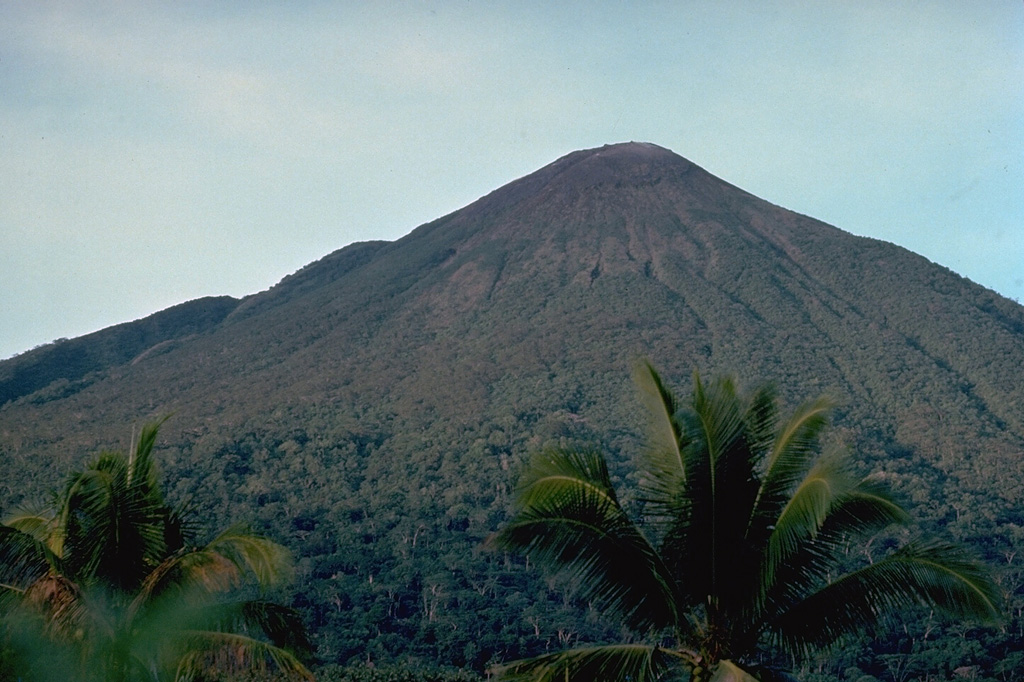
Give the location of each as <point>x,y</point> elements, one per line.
<point>155,152</point>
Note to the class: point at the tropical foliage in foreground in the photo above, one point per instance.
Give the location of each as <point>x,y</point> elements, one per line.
<point>109,585</point>
<point>734,560</point>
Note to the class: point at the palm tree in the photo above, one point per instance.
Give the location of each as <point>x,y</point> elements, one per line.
<point>744,523</point>
<point>108,584</point>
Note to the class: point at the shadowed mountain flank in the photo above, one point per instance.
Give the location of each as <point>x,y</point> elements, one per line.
<point>70,362</point>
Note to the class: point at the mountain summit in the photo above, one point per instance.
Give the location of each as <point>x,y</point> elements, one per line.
<point>375,405</point>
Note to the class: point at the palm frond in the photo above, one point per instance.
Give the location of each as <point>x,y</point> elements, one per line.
<point>166,619</point>
<point>727,671</point>
<point>23,560</point>
<point>738,451</point>
<point>282,625</point>
<point>60,605</point>
<point>793,453</point>
<point>664,472</point>
<point>228,562</point>
<point>180,528</point>
<point>718,414</point>
<point>265,560</point>
<point>39,522</point>
<point>87,516</point>
<point>232,654</point>
<point>43,649</point>
<point>636,662</point>
<point>821,490</point>
<point>201,635</point>
<point>114,530</point>
<point>935,574</point>
<point>867,507</point>
<point>141,466</point>
<point>552,470</point>
<point>761,422</point>
<point>570,521</point>
<point>188,576</point>
<point>769,673</point>
<point>719,488</point>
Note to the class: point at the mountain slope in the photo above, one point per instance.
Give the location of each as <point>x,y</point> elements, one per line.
<point>69,361</point>
<point>373,408</point>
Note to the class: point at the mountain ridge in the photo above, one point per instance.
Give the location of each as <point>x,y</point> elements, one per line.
<point>631,211</point>
<point>70,360</point>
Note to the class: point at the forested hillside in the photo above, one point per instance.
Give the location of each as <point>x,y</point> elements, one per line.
<point>374,411</point>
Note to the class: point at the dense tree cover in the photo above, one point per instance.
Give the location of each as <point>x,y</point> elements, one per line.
<point>378,552</point>
<point>108,585</point>
<point>745,524</point>
<point>364,673</point>
<point>386,516</point>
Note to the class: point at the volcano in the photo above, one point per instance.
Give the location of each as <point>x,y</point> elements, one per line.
<point>372,410</point>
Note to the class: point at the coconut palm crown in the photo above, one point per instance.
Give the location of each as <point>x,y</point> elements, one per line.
<point>108,584</point>
<point>744,522</point>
